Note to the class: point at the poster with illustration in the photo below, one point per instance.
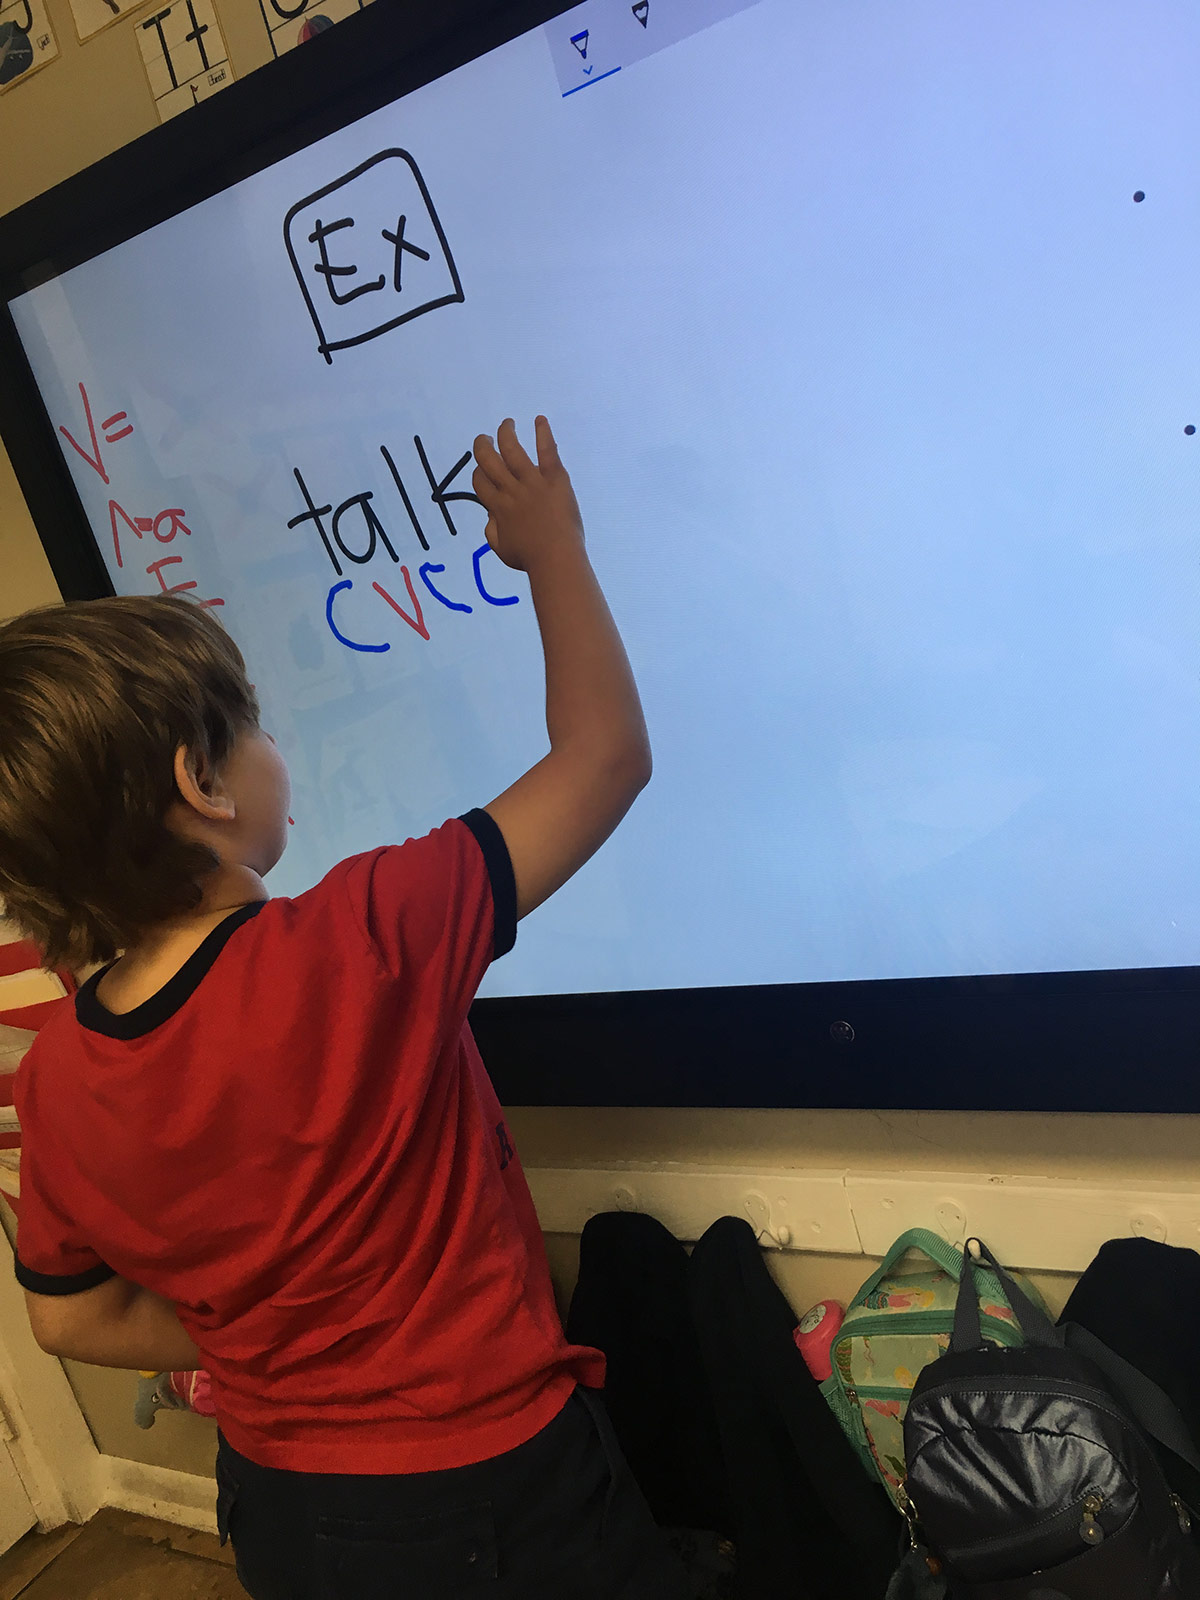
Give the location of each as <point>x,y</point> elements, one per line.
<point>184,54</point>
<point>292,22</point>
<point>27,40</point>
<point>91,16</point>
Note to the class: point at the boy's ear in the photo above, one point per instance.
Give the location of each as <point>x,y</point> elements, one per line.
<point>200,787</point>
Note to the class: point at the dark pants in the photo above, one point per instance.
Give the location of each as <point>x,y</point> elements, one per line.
<point>558,1518</point>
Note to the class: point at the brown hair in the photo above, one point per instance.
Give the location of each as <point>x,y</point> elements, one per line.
<point>95,699</point>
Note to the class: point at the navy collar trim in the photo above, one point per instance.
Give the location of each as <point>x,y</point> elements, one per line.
<point>91,1013</point>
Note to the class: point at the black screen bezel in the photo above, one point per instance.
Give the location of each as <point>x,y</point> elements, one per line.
<point>1091,1041</point>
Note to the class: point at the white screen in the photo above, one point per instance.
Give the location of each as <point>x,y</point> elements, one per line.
<point>873,378</point>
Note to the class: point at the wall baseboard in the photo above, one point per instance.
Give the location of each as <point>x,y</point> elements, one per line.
<point>1038,1223</point>
<point>179,1497</point>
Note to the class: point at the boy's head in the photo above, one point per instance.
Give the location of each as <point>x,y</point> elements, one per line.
<point>131,766</point>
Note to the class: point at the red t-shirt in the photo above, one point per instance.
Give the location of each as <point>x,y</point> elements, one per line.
<point>295,1141</point>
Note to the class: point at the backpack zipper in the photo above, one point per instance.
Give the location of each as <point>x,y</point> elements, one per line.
<point>1090,1531</point>
<point>1022,1383</point>
<point>1032,1385</point>
<point>1040,1542</point>
<point>1007,1334</point>
<point>873,1391</point>
<point>1004,1336</point>
<point>1045,1386</point>
<point>909,1512</point>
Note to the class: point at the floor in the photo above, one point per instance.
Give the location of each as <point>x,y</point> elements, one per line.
<point>117,1556</point>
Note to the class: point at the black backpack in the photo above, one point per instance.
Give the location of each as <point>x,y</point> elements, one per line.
<point>1030,1471</point>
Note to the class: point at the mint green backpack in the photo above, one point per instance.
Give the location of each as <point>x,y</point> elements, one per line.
<point>896,1324</point>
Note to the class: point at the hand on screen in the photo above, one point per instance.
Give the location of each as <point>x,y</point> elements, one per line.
<point>562,810</point>
<point>531,506</point>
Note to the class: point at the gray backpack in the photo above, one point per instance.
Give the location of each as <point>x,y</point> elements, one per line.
<point>1032,1472</point>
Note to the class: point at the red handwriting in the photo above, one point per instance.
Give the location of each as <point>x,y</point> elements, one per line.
<point>176,588</point>
<point>164,525</point>
<point>95,460</point>
<point>138,525</point>
<point>173,518</point>
<point>108,428</point>
<point>419,624</point>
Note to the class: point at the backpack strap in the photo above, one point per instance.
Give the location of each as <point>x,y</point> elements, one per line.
<point>968,1330</point>
<point>1155,1411</point>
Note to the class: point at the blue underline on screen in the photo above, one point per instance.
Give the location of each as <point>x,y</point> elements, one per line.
<point>590,82</point>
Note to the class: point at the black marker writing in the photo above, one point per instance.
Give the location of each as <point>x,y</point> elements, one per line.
<point>402,245</point>
<point>404,495</point>
<point>329,272</point>
<point>314,514</point>
<point>395,277</point>
<point>447,591</point>
<point>440,490</point>
<point>375,530</point>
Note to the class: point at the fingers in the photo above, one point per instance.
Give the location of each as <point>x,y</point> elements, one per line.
<point>490,465</point>
<point>513,451</point>
<point>547,447</point>
<point>504,463</point>
<point>484,487</point>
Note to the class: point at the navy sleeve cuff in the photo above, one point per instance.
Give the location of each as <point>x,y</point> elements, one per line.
<point>74,1283</point>
<point>504,884</point>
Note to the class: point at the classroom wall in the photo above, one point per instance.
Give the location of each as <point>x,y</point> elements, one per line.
<point>92,99</point>
<point>25,576</point>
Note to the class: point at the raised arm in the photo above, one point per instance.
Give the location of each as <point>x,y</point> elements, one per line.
<point>564,808</point>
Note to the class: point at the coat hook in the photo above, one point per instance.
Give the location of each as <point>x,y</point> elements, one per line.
<point>758,1209</point>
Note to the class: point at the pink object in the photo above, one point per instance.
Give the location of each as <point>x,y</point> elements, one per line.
<point>815,1335</point>
<point>195,1390</point>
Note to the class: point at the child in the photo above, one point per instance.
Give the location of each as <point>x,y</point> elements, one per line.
<point>263,1143</point>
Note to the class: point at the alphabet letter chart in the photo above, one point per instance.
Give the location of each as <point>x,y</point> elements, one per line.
<point>184,53</point>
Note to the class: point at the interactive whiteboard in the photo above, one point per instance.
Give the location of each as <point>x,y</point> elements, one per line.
<point>867,330</point>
